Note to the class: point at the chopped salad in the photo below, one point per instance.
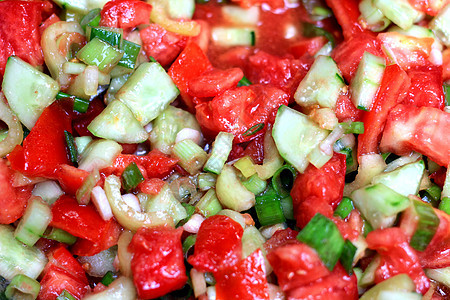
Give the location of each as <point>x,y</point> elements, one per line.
<point>224,149</point>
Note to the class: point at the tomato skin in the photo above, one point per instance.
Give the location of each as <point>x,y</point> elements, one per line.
<point>19,31</point>
<point>422,129</point>
<point>246,280</point>
<point>12,200</point>
<point>214,82</point>
<point>162,45</point>
<point>125,13</point>
<point>337,286</point>
<point>237,110</point>
<point>397,257</point>
<point>426,87</point>
<point>218,244</point>
<point>157,264</point>
<point>347,15</point>
<point>44,149</point>
<point>318,190</point>
<point>393,88</point>
<point>296,265</point>
<point>78,220</point>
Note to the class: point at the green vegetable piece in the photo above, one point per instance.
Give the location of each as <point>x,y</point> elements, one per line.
<point>244,82</point>
<point>65,295</point>
<point>283,180</point>
<point>188,243</point>
<point>209,204</point>
<point>427,225</point>
<point>255,184</point>
<point>268,208</point>
<point>73,153</point>
<point>447,94</point>
<point>347,256</point>
<point>344,208</point>
<point>22,287</point>
<point>112,36</point>
<point>219,154</point>
<point>92,18</point>
<point>131,177</point>
<point>80,105</point>
<point>108,278</point>
<point>101,54</point>
<point>445,205</point>
<point>192,157</point>
<point>130,55</point>
<point>60,235</point>
<point>310,30</point>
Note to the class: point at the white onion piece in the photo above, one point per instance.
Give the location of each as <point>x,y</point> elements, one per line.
<point>447,109</point>
<point>211,292</point>
<point>122,288</point>
<point>90,85</point>
<point>15,131</point>
<point>193,225</point>
<point>189,133</point>
<point>401,161</point>
<point>326,146</point>
<point>198,282</point>
<point>100,201</point>
<point>99,264</point>
<point>132,201</point>
<point>436,57</point>
<point>149,127</point>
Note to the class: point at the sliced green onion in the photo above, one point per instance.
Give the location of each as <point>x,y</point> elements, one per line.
<point>310,30</point>
<point>190,210</point>
<point>344,208</point>
<point>130,55</point>
<point>22,287</point>
<point>101,54</point>
<point>65,295</point>
<point>255,184</point>
<point>288,207</point>
<point>108,278</point>
<point>73,154</point>
<point>192,157</point>
<point>244,82</point>
<point>60,235</point>
<point>353,127</point>
<point>447,94</point>
<point>367,227</point>
<point>432,195</point>
<point>131,177</point>
<point>112,36</point>
<point>206,181</point>
<point>92,18</point>
<point>83,194</point>
<point>188,243</point>
<point>317,9</point>
<point>152,59</point>
<point>283,179</point>
<point>246,166</point>
<point>219,154</point>
<point>73,68</point>
<point>426,227</point>
<point>252,240</point>
<point>268,208</point>
<point>347,256</point>
<point>209,204</point>
<point>445,205</point>
<point>34,222</point>
<point>80,105</point>
<point>323,235</point>
<point>254,129</point>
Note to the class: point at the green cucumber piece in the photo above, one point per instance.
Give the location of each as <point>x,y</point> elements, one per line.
<point>241,16</point>
<point>398,283</point>
<point>233,36</point>
<point>81,6</point>
<point>400,12</point>
<point>180,9</point>
<point>101,54</point>
<point>441,275</point>
<point>27,90</point>
<point>116,122</point>
<point>148,92</point>
<point>379,204</point>
<point>295,136</point>
<point>17,258</point>
<point>441,25</point>
<point>99,154</point>
<point>374,18</point>
<point>428,223</point>
<point>115,85</point>
<point>405,180</point>
<point>321,85</point>
<point>113,36</point>
<point>221,148</point>
<point>367,80</point>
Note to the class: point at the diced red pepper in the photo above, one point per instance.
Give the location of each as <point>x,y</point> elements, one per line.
<point>125,13</point>
<point>157,263</point>
<point>70,178</point>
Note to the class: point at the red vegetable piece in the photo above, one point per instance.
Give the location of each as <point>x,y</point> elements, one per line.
<point>337,286</point>
<point>430,7</point>
<point>157,264</point>
<point>244,281</point>
<point>78,220</point>
<point>296,265</point>
<point>346,111</point>
<point>397,257</point>
<point>151,186</point>
<point>218,244</point>
<point>393,88</point>
<point>162,45</point>
<point>281,238</point>
<point>19,31</point>
<point>50,21</point>
<point>347,14</point>
<point>108,238</point>
<point>12,200</point>
<point>308,46</point>
<point>214,82</point>
<point>319,190</point>
<point>70,178</point>
<point>44,149</point>
<point>237,110</point>
<point>446,64</point>
<point>426,87</point>
<point>82,120</point>
<point>424,130</point>
<point>125,13</point>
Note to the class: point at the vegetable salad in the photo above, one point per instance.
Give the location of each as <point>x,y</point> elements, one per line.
<point>224,149</point>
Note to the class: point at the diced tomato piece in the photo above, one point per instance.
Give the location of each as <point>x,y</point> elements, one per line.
<point>78,220</point>
<point>349,53</point>
<point>426,87</point>
<point>162,45</point>
<point>214,82</point>
<point>218,244</point>
<point>50,21</point>
<point>345,109</point>
<point>337,286</point>
<point>82,120</point>
<point>239,109</point>
<point>347,14</point>
<point>296,265</point>
<point>151,186</point>
<point>19,31</point>
<point>281,238</point>
<point>446,64</point>
<point>439,177</point>
<point>108,238</point>
<point>12,200</point>
<point>351,227</point>
<point>125,13</point>
<point>430,7</point>
<point>155,163</point>
<point>70,178</point>
<point>397,257</point>
<point>308,46</point>
<point>392,90</point>
<point>249,3</point>
<point>157,263</point>
<point>319,190</point>
<point>424,130</point>
<point>44,149</point>
<point>63,272</point>
<point>406,51</point>
<point>255,149</point>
